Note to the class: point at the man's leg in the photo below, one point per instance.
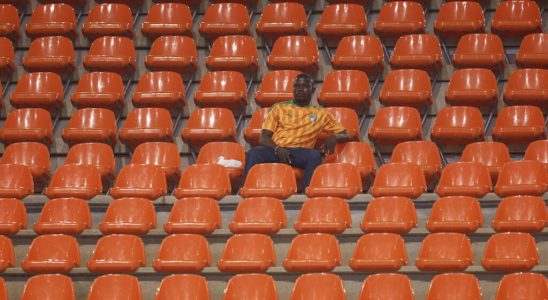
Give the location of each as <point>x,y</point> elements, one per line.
<point>259,155</point>
<point>306,159</point>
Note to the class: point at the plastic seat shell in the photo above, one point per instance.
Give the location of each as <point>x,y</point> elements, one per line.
<point>182,253</point>
<point>199,215</point>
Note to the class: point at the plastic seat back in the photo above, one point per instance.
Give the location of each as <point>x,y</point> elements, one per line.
<point>117,253</point>
<point>298,52</point>
<point>108,19</point>
<point>27,125</point>
<point>340,20</point>
<point>492,154</point>
<point>480,50</point>
<point>395,124</point>
<point>167,19</point>
<point>161,154</point>
<point>137,180</point>
<point>460,125</point>
<point>233,53</point>
<point>129,216</point>
<point>253,130</point>
<point>147,125</point>
<point>13,217</point>
<point>52,253</point>
<point>336,180</point>
<point>281,19</point>
<point>399,179</point>
<point>510,252</point>
<point>115,287</point>
<point>389,214</point>
<point>91,125</point>
<point>358,154</point>
<point>173,53</point>
<point>79,181</point>
<point>16,181</point>
<point>247,286</point>
<point>532,51</point>
<point>40,90</point>
<point>64,216</point>
<point>269,180</point>
<point>379,252</point>
<point>182,253</point>
<point>361,52</point>
<point>522,286</point>
<point>7,56</point>
<point>520,214</point>
<point>220,152</point>
<point>159,89</point>
<point>345,88</point>
<point>313,252</point>
<point>454,285</point>
<point>97,155</point>
<point>537,150</point>
<point>225,89</point>
<point>249,252</point>
<point>222,19</point>
<point>389,286</point>
<point>7,255</point>
<point>526,177</point>
<point>210,124</point>
<point>519,125</point>
<point>423,153</point>
<point>111,54</point>
<point>472,87</point>
<point>400,18</point>
<point>49,286</point>
<point>319,286</point>
<point>276,86</point>
<point>9,26</point>
<point>465,179</point>
<point>50,54</point>
<point>460,214</point>
<point>406,88</point>
<point>57,19</point>
<point>348,118</point>
<point>99,89</point>
<point>417,51</point>
<point>182,286</point>
<point>444,252</point>
<point>207,180</point>
<point>34,156</point>
<point>198,215</point>
<point>323,214</point>
<point>516,18</point>
<point>264,215</point>
<point>458,18</point>
<point>527,87</point>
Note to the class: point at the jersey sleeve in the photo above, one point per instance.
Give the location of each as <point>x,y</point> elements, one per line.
<point>271,120</point>
<point>331,125</point>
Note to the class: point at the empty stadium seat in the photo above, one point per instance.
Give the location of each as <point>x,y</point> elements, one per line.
<point>458,18</point>
<point>34,156</point>
<point>173,53</point>
<point>49,286</point>
<point>99,89</point>
<point>246,286</point>
<point>516,18</point>
<point>216,152</point>
<point>389,214</point>
<point>340,20</point>
<point>519,125</point>
<point>226,89</point>
<point>50,20</point>
<point>181,286</point>
<point>465,179</point>
<point>395,124</point>
<point>111,54</point>
<point>64,216</point>
<point>270,180</point>
<point>159,89</point>
<point>50,54</point>
<point>491,154</point>
<point>233,53</point>
<point>7,255</point>
<point>480,50</point>
<point>510,252</point>
<point>27,125</point>
<point>521,214</point>
<point>533,52</point>
<point>298,52</point>
<point>318,286</point>
<point>379,252</point>
<point>161,154</point>
<point>182,253</point>
<point>527,177</point>
<point>253,130</point>
<point>423,153</point>
<point>3,290</point>
<point>13,217</point>
<point>527,87</point>
<point>408,87</point>
<point>40,90</point>
<point>79,181</point>
<point>361,52</point>
<point>389,286</point>
<point>16,181</point>
<point>313,252</point>
<point>417,51</point>
<point>444,252</point>
<point>276,86</point>
<point>146,125</point>
<point>211,124</point>
<point>460,214</point>
<point>108,19</point>
<point>399,179</point>
<point>167,19</point>
<point>472,87</point>
<point>458,125</point>
<point>115,287</point>
<point>7,56</point>
<point>537,150</point>
<point>52,253</point>
<point>225,19</point>
<point>264,215</point>
<point>207,180</point>
<point>249,252</point>
<point>129,216</point>
<point>358,154</point>
<point>400,18</point>
<point>280,19</point>
<point>336,180</point>
<point>9,26</point>
<point>198,215</point>
<point>348,119</point>
<point>135,180</point>
<point>458,285</point>
<point>97,155</point>
<point>345,88</point>
<point>532,286</point>
<point>117,253</point>
<point>96,125</point>
<point>324,214</point>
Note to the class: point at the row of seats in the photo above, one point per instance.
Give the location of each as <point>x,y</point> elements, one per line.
<point>319,286</point>
<point>265,215</point>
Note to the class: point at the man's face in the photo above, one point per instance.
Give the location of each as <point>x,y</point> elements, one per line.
<point>302,91</point>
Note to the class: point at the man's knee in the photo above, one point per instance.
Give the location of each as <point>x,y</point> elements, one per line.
<point>314,157</point>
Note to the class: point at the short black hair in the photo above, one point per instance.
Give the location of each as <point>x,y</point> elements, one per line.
<point>306,77</point>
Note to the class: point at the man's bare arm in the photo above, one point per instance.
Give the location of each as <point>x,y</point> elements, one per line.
<point>332,140</point>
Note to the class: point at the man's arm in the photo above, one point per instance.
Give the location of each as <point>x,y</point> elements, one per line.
<point>266,140</point>
<point>332,140</point>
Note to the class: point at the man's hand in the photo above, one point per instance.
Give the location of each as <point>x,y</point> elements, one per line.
<point>283,155</point>
<point>329,144</point>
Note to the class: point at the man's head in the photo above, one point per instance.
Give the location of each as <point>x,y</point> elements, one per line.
<point>303,88</point>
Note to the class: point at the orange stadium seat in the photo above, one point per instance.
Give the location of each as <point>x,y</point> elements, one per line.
<point>458,125</point>
<point>208,180</point>
<point>324,214</point>
<point>215,152</point>
<point>91,125</point>
<point>226,89</point>
<point>445,252</point>
<point>533,52</point>
<point>129,216</point>
<point>181,286</point>
<point>115,287</point>
<point>222,19</point>
<point>97,155</point>
<point>313,252</point>
<point>522,285</point>
<point>492,154</point>
<point>182,253</point>
<point>111,54</point>
<point>423,153</point>
<point>27,125</point>
<point>345,88</point>
<point>480,50</point>
<point>465,178</point>
<point>458,18</point>
<point>318,286</point>
<point>249,252</point>
<point>459,285</point>
<point>399,179</point>
<point>387,286</point>
<point>400,18</point>
<point>519,125</point>
<point>389,214</point>
<point>79,181</point>
<point>460,214</point>
<point>417,51</point>
<point>270,180</point>
<point>52,253</point>
<point>167,19</point>
<point>361,52</point>
<point>407,87</point>
<point>537,150</point>
<point>472,87</point>
<point>173,53</point>
<point>395,124</point>
<point>134,4</point>
<point>233,53</point>
<point>159,89</point>
<point>108,19</point>
<point>348,118</point>
<point>358,154</point>
<point>50,54</point>
<point>340,20</point>
<point>516,18</point>
<point>50,20</point>
<point>3,290</point>
<point>7,255</point>
<point>527,87</point>
<point>510,252</point>
<point>117,253</point>
<point>161,154</point>
<point>7,56</point>
<point>276,86</point>
<point>521,214</point>
<point>9,24</point>
<point>379,252</point>
<point>281,19</point>
<point>49,286</point>
<point>13,217</point>
<point>39,90</point>
<point>335,180</point>
<point>253,130</point>
<point>34,156</point>
<point>99,89</point>
<point>147,181</point>
<point>299,52</point>
<point>211,124</point>
<point>146,125</point>
<point>64,216</point>
<point>198,215</point>
<point>245,286</point>
<point>16,181</point>
<point>527,177</point>
<point>264,215</point>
